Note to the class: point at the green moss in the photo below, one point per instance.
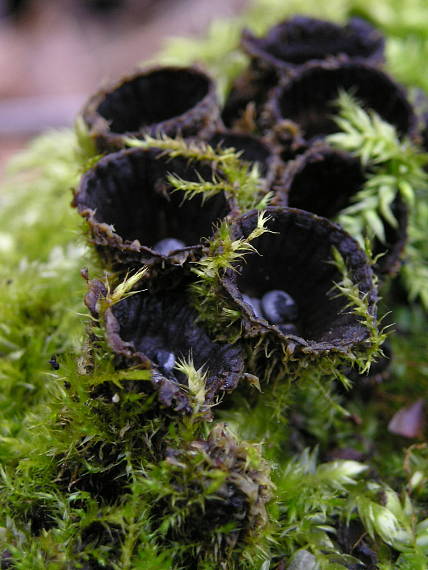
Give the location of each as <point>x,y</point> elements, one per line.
<point>236,178</point>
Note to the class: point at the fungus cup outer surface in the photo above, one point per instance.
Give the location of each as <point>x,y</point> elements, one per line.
<point>299,39</point>
<point>238,500</point>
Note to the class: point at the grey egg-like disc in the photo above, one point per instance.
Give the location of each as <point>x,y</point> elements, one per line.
<point>167,245</point>
<point>165,359</point>
<point>279,307</point>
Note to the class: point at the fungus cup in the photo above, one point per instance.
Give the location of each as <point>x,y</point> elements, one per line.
<point>297,40</point>
<point>295,256</point>
<point>307,97</point>
<point>171,100</point>
<point>289,45</point>
<point>130,206</point>
<point>246,98</point>
<point>160,332</point>
<point>221,486</point>
<point>324,181</point>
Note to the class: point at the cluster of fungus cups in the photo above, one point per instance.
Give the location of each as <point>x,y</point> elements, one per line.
<point>283,292</point>
<point>136,220</point>
<point>137,217</point>
<point>289,94</point>
<point>299,39</point>
<point>290,45</point>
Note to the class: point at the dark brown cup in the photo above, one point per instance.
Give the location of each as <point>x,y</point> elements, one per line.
<point>307,99</point>
<point>169,100</point>
<point>130,206</point>
<point>300,39</point>
<point>143,324</point>
<point>324,180</point>
<point>297,258</point>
